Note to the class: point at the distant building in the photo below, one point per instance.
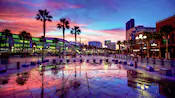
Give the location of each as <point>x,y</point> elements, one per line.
<point>97,44</point>
<point>168,21</point>
<point>110,45</point>
<point>130,24</point>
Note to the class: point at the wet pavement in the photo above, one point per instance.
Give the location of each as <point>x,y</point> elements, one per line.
<point>84,80</point>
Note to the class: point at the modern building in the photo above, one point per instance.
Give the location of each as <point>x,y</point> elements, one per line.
<point>170,21</point>
<point>15,44</point>
<point>110,45</point>
<point>97,44</point>
<point>135,33</point>
<point>130,24</point>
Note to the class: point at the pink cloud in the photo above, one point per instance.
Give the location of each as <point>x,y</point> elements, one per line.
<point>60,5</point>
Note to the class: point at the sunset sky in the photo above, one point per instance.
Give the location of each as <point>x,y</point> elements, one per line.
<point>98,19</point>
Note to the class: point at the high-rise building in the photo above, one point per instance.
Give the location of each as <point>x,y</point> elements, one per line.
<point>130,24</point>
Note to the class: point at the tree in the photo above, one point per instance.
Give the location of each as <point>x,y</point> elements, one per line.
<point>43,15</point>
<point>147,40</point>
<point>125,43</point>
<point>131,43</point>
<point>7,34</point>
<point>119,43</point>
<point>24,36</point>
<point>63,24</point>
<point>76,31</point>
<point>158,36</point>
<point>166,30</point>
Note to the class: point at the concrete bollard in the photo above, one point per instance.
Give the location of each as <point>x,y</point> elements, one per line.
<point>116,61</point>
<point>38,62</point>
<point>149,68</point>
<point>67,60</point>
<point>32,63</point>
<point>81,60</point>
<point>47,60</point>
<point>120,62</point>
<point>25,65</point>
<point>54,61</point>
<point>74,60</point>
<point>125,62</point>
<point>131,64</point>
<point>61,61</point>
<point>18,65</point>
<point>94,60</point>
<point>101,60</point>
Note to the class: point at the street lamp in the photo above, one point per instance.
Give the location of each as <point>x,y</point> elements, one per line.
<point>141,37</point>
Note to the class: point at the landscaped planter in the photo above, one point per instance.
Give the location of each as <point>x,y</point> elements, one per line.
<point>165,71</point>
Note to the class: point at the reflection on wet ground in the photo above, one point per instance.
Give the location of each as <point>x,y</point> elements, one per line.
<point>87,80</point>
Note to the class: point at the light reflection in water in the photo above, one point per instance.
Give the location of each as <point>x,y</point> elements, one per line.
<point>90,79</point>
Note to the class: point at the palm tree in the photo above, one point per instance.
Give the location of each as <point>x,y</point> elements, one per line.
<point>43,15</point>
<point>24,36</point>
<point>119,43</point>
<point>125,43</point>
<point>7,34</point>
<point>64,24</point>
<point>158,36</point>
<point>148,38</point>
<point>76,31</point>
<point>131,43</point>
<point>166,30</point>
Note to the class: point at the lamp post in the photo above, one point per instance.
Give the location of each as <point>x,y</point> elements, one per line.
<point>141,37</point>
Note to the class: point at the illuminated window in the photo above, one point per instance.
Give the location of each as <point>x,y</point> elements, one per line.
<point>35,39</point>
<point>49,41</point>
<point>15,36</point>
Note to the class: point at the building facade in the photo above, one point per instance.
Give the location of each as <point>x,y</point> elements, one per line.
<point>15,44</point>
<point>130,24</point>
<point>97,44</point>
<point>110,45</point>
<point>136,34</point>
<point>171,37</point>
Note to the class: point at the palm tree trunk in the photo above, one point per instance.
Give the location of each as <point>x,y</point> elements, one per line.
<point>119,48</point>
<point>167,54</point>
<point>75,37</point>
<point>44,31</point>
<point>159,51</point>
<point>44,28</point>
<point>63,40</point>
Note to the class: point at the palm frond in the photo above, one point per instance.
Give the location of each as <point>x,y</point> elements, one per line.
<point>59,26</point>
